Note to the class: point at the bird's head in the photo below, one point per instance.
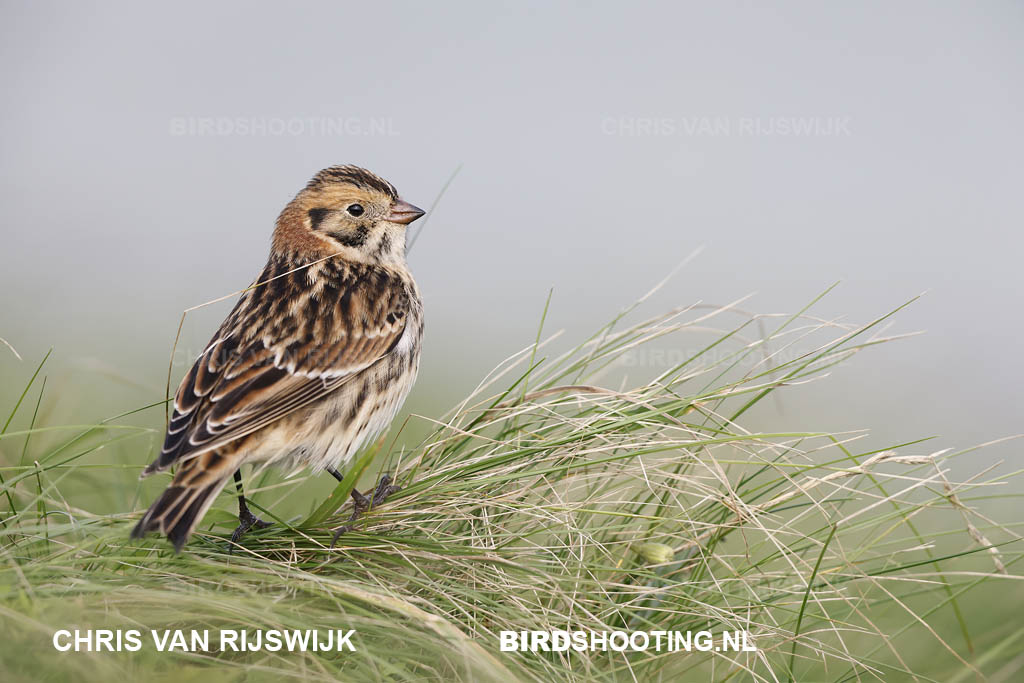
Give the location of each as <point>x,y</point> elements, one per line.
<point>346,210</point>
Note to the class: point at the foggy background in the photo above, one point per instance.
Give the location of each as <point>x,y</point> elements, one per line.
<point>147,151</point>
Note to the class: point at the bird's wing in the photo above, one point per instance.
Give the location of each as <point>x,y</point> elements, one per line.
<point>287,343</point>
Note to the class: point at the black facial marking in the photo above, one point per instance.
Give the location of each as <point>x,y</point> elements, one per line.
<point>316,216</point>
<point>356,238</point>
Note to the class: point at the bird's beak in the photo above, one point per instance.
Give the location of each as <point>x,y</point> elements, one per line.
<point>405,213</point>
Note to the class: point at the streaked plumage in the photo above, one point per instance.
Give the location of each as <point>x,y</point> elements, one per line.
<point>315,358</point>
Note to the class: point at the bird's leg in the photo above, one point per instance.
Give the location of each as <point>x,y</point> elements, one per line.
<point>361,503</point>
<point>246,520</point>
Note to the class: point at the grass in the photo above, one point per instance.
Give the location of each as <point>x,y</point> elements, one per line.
<point>561,494</point>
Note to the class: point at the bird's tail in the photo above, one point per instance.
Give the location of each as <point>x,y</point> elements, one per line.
<point>182,505</point>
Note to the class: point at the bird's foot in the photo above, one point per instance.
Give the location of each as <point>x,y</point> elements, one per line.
<point>246,521</point>
<point>383,491</point>
<point>361,503</point>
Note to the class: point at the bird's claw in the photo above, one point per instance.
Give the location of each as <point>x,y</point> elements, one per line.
<point>384,490</point>
<point>246,521</point>
<point>363,502</point>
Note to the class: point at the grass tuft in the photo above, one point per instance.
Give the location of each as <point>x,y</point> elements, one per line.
<point>563,493</point>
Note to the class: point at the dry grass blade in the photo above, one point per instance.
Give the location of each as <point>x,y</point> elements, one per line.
<point>582,492</point>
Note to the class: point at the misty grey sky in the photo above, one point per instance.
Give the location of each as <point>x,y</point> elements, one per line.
<point>147,150</point>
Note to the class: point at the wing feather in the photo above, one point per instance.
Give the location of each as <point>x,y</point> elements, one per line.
<point>266,361</point>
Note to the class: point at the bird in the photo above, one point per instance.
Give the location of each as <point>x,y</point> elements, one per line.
<point>314,360</point>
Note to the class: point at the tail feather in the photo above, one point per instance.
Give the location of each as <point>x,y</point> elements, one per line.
<point>182,505</point>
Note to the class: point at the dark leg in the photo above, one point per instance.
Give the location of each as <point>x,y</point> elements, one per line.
<point>246,520</point>
<point>361,503</point>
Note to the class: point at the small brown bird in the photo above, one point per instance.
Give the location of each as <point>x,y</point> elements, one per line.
<point>315,358</point>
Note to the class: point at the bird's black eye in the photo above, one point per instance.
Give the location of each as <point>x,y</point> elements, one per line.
<point>355,209</point>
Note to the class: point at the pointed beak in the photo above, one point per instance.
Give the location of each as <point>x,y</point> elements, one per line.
<point>405,213</point>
